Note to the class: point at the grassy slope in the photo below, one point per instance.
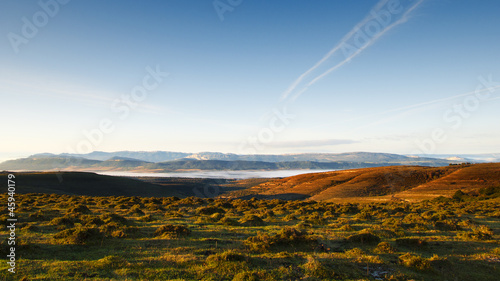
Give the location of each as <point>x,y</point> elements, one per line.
<point>406,182</point>
<point>467,179</point>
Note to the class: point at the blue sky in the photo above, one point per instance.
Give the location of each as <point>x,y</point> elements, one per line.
<point>410,89</point>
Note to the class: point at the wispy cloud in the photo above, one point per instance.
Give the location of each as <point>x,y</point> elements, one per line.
<point>309,78</point>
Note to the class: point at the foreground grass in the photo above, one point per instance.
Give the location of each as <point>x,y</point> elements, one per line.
<point>131,238</point>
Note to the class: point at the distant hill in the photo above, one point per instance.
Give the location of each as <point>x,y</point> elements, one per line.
<point>78,183</point>
<point>380,183</point>
<point>149,161</point>
<point>45,162</point>
<point>91,184</point>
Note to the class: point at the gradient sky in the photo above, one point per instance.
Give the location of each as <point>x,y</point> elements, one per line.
<point>229,71</point>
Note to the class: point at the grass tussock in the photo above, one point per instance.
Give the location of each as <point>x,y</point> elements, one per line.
<point>287,237</point>
<point>79,235</point>
<point>172,231</point>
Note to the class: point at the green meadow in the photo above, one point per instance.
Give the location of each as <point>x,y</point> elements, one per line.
<point>64,237</point>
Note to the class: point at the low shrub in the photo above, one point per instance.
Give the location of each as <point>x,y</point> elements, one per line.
<point>80,235</point>
<point>120,233</point>
<point>122,206</point>
<point>154,207</point>
<point>209,210</point>
<point>170,230</point>
<point>303,225</point>
<point>216,217</point>
<point>65,221</point>
<point>288,236</point>
<point>109,227</point>
<point>38,216</point>
<point>447,225</point>
<point>136,210</point>
<point>268,214</point>
<point>247,276</point>
<point>230,255</point>
<point>107,218</point>
<point>315,218</point>
<point>173,214</point>
<point>384,248</point>
<point>31,227</point>
<point>346,227</point>
<point>90,220</point>
<point>363,216</point>
<point>481,232</point>
<point>224,204</point>
<point>355,253</point>
<point>315,268</point>
<point>364,238</point>
<point>115,230</point>
<point>414,261</point>
<point>79,209</point>
<point>111,262</point>
<point>411,242</point>
<point>228,221</point>
<point>146,218</point>
<point>252,220</point>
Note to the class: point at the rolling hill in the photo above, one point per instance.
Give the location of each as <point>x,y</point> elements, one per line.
<point>380,183</point>
<point>90,184</point>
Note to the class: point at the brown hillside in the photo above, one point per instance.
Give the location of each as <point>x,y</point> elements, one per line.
<point>406,182</point>
<point>466,179</point>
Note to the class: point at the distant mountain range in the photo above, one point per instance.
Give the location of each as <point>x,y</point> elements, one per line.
<point>369,157</point>
<point>165,161</point>
<point>484,157</point>
<point>163,156</point>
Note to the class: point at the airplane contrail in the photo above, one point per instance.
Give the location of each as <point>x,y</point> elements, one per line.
<point>342,42</point>
<point>332,51</point>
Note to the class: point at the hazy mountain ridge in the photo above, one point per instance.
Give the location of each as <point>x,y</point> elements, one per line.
<point>148,156</point>
<point>125,161</point>
<point>81,164</point>
<point>163,156</point>
<point>478,157</point>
